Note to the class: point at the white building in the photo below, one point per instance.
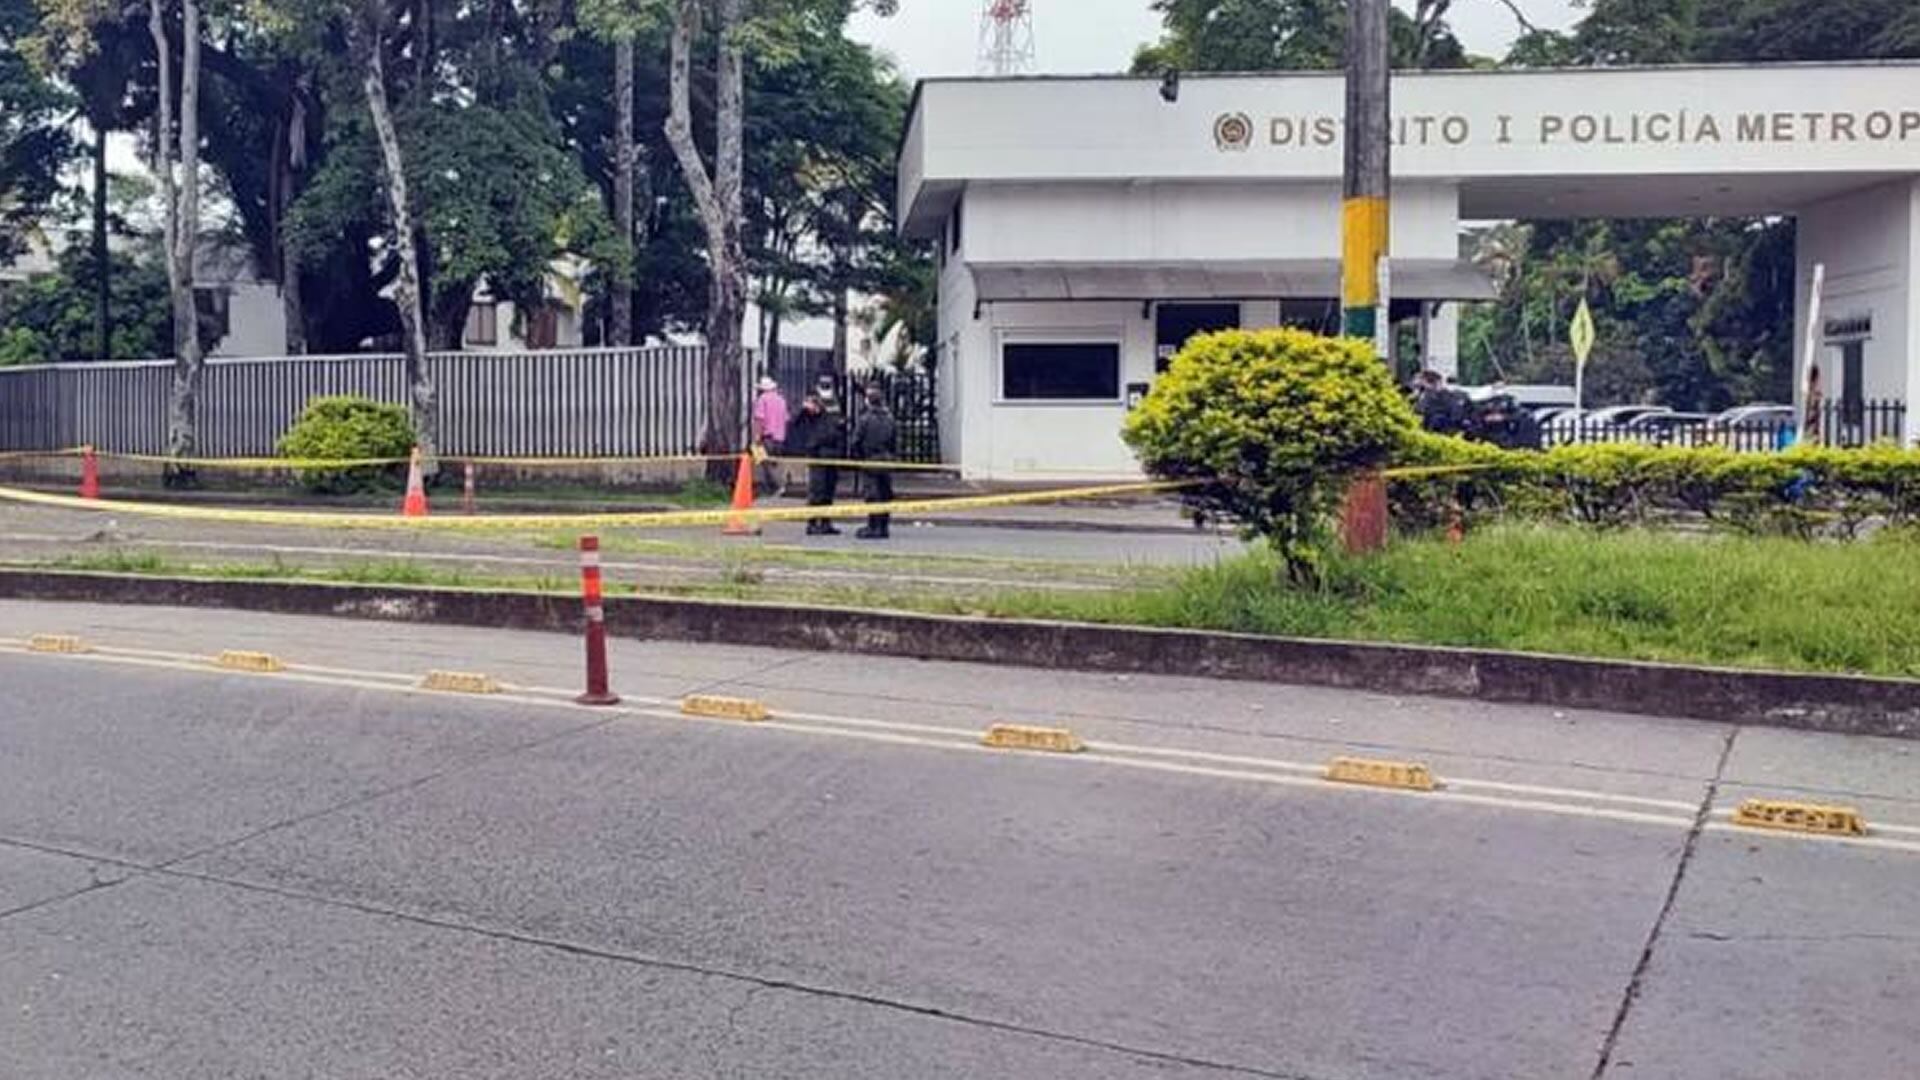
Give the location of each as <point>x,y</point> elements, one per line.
<point>1087,225</point>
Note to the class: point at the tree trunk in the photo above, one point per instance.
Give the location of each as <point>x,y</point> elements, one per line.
<point>406,286</point>
<point>620,287</point>
<point>182,225</point>
<point>770,343</point>
<point>840,333</point>
<point>288,161</point>
<point>719,200</point>
<point>102,258</point>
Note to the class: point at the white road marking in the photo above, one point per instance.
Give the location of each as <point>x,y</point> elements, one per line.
<point>1151,758</point>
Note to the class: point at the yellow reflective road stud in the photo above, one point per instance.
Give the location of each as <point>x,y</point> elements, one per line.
<point>1408,775</point>
<point>57,643</point>
<point>1800,817</point>
<point>244,660</point>
<point>1022,737</point>
<point>460,682</point>
<point>715,707</point>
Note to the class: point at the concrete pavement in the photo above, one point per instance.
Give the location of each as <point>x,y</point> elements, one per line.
<point>325,873</point>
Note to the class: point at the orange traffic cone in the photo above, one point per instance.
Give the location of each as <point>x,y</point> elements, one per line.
<point>89,474</point>
<point>742,500</point>
<point>416,501</point>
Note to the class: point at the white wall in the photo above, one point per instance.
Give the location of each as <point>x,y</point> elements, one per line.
<point>1192,221</point>
<point>1052,440</point>
<point>1912,395</point>
<point>1867,241</point>
<point>256,320</point>
<point>1475,127</point>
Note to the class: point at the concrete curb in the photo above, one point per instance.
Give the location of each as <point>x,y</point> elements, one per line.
<point>1841,704</point>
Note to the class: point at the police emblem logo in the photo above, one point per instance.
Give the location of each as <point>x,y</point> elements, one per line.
<point>1233,131</point>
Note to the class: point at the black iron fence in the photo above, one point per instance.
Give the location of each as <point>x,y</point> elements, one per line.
<point>910,394</point>
<point>1838,423</point>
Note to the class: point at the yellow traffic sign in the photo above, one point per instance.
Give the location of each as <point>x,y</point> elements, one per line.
<point>1580,334</point>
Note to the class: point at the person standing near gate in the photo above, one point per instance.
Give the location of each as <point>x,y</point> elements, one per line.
<point>770,434</point>
<point>819,434</point>
<point>876,439</point>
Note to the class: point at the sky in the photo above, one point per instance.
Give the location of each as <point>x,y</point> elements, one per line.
<point>942,37</point>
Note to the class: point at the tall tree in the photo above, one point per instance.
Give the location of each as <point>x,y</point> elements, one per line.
<point>621,22</point>
<point>181,233</point>
<point>369,33</point>
<point>717,195</point>
<point>34,140</point>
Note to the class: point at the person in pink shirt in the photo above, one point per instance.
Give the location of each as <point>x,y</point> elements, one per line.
<point>770,432</point>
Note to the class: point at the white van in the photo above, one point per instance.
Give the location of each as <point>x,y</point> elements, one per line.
<point>1531,396</point>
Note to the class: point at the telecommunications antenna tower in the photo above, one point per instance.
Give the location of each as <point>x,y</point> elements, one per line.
<point>1006,37</point>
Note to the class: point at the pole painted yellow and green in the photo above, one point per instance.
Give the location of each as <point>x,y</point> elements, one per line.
<point>1364,213</point>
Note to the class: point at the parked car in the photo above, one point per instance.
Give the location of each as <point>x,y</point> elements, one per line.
<point>1607,424</point>
<point>1753,427</point>
<point>1667,428</point>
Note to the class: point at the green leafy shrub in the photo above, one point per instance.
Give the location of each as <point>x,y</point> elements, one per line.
<point>1805,491</point>
<point>349,429</point>
<point>1273,424</point>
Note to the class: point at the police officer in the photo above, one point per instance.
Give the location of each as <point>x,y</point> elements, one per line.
<point>876,438</point>
<point>819,433</point>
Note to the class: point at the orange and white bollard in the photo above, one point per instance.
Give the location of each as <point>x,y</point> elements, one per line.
<point>598,692</point>
<point>89,473</point>
<point>466,491</point>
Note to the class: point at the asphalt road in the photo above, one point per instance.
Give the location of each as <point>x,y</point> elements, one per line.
<point>327,873</point>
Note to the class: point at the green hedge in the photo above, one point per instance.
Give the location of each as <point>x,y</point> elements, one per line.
<point>1802,491</point>
<point>349,428</point>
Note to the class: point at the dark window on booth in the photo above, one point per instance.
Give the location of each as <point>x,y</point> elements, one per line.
<point>953,230</point>
<point>1060,371</point>
<point>1173,324</point>
<point>213,309</point>
<point>483,325</point>
<point>1853,375</point>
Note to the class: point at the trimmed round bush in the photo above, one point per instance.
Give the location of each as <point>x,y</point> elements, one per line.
<point>349,428</point>
<point>1273,425</point>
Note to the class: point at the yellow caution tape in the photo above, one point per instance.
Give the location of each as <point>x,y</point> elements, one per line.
<point>530,522</point>
<point>758,454</point>
<point>1413,471</point>
<point>251,463</point>
<point>264,463</point>
<point>861,463</point>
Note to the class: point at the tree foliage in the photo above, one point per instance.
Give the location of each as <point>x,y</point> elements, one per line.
<point>1270,425</point>
<point>503,113</point>
<point>1286,35</point>
<point>1692,313</point>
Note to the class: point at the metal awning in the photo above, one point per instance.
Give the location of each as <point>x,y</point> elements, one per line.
<point>1284,279</point>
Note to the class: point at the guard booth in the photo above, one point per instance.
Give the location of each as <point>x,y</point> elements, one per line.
<point>1086,227</point>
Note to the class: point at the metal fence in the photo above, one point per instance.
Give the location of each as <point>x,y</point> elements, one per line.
<point>1841,423</point>
<point>549,403</point>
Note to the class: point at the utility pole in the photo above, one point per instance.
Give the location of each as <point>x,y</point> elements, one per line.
<point>1363,209</point>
